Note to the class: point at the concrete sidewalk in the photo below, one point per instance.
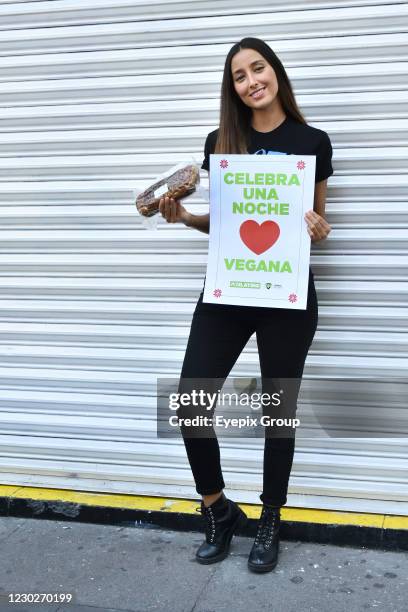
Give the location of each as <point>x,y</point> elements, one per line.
<point>143,569</point>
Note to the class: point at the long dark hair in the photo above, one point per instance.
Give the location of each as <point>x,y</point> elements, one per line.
<point>235,116</point>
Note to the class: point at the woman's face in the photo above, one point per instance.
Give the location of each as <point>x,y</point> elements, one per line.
<point>251,73</point>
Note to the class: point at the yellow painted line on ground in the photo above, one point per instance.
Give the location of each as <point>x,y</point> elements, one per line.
<point>395,522</point>
<point>185,506</point>
<point>332,517</point>
<point>8,490</point>
<point>89,499</point>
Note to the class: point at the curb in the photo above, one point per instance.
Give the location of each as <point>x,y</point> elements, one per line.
<point>387,532</point>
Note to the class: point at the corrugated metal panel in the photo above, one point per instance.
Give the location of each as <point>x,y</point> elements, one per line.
<point>97,99</point>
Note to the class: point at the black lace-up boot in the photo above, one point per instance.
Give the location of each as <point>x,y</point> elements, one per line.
<point>222,519</point>
<point>264,553</point>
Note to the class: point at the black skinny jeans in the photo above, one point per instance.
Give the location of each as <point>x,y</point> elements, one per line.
<point>218,334</point>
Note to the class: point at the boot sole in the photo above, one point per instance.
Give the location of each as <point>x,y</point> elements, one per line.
<point>241,522</point>
<point>262,569</point>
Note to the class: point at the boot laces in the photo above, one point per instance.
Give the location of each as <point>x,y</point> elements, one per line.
<point>267,526</point>
<point>208,514</point>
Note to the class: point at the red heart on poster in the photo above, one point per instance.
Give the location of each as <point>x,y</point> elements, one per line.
<point>259,238</point>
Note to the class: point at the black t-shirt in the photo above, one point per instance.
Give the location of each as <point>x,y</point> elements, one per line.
<point>290,137</point>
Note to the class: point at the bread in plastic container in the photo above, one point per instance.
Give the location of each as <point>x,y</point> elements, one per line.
<point>178,185</point>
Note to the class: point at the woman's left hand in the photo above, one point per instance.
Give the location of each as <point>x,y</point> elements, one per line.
<point>317,227</point>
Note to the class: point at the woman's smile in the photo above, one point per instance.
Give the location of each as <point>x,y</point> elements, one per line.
<point>255,95</point>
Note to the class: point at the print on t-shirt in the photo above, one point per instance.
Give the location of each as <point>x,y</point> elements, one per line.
<point>267,152</point>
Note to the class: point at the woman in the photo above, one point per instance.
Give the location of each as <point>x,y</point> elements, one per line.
<point>259,115</point>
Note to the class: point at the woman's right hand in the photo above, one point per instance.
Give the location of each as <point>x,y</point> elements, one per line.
<point>173,211</point>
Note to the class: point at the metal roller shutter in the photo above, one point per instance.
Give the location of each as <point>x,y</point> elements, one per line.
<point>96,99</point>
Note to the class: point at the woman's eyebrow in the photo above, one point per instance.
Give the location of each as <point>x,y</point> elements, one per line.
<point>251,64</point>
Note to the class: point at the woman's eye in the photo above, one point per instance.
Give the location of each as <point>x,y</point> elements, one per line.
<point>259,68</point>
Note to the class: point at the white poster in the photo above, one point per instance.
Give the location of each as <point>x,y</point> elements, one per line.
<point>259,247</point>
